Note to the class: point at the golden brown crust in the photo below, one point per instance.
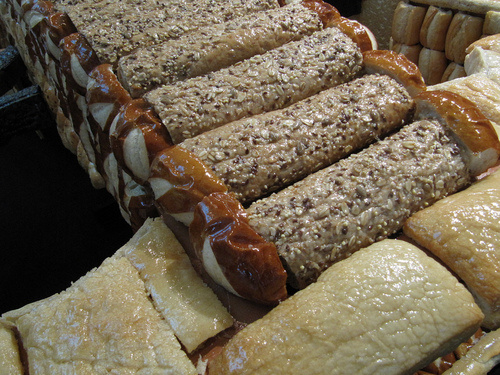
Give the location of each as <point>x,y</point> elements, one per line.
<point>249,262</point>
<point>190,178</point>
<point>138,114</point>
<point>396,66</point>
<point>462,117</point>
<point>327,12</point>
<point>412,53</point>
<point>359,33</point>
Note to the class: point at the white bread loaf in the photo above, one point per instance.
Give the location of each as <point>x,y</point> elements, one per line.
<point>463,230</point>
<point>388,309</point>
<point>104,322</point>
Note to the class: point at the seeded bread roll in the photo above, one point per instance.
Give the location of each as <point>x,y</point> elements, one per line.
<point>149,22</point>
<point>215,47</point>
<point>361,199</point>
<point>262,83</point>
<point>258,155</point>
<point>390,309</point>
<point>359,33</point>
<point>463,231</point>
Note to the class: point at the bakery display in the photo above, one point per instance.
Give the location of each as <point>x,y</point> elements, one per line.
<point>277,143</point>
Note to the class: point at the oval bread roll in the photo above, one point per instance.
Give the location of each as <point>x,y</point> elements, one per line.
<point>464,29</point>
<point>491,23</point>
<point>406,23</point>
<point>432,65</point>
<point>434,28</point>
<point>453,71</point>
<point>412,53</point>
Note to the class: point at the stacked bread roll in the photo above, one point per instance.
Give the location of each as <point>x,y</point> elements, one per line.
<point>436,34</point>
<point>286,143</point>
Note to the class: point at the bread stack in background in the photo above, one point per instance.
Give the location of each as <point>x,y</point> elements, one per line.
<point>432,33</point>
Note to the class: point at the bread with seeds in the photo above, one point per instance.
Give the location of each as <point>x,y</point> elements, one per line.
<point>273,80</point>
<point>221,45</point>
<point>364,198</point>
<point>255,156</point>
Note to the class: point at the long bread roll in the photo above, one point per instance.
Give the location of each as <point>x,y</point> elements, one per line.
<point>258,155</point>
<point>390,309</point>
<point>366,197</point>
<point>266,82</point>
<point>148,22</point>
<point>219,46</point>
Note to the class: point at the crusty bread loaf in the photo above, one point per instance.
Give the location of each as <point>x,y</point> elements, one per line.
<point>463,230</point>
<point>389,309</point>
